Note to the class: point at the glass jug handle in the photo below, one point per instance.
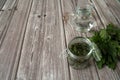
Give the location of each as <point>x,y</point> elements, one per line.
<point>96,52</point>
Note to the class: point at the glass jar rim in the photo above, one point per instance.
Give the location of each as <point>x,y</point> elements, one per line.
<point>86,40</point>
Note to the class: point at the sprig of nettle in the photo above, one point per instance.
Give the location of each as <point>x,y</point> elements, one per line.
<point>108,41</point>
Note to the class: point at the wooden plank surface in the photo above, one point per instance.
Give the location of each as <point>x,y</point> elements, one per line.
<point>6,16</point>
<point>9,4</point>
<point>35,33</point>
<point>114,7</point>
<point>11,45</point>
<point>105,14</point>
<point>2,2</point>
<point>43,44</point>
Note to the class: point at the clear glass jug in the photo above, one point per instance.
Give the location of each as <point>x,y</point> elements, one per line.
<point>82,18</point>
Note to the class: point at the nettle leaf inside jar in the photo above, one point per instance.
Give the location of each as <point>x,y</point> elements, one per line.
<point>80,49</point>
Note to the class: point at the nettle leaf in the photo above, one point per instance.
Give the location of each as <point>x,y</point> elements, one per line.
<point>113,48</point>
<point>108,41</point>
<point>104,35</point>
<point>118,50</point>
<point>112,65</point>
<point>101,63</point>
<point>96,37</point>
<point>111,29</point>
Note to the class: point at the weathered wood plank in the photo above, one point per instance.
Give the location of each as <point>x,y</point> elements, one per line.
<point>114,7</point>
<point>9,5</point>
<point>6,16</point>
<point>105,14</point>
<point>11,45</point>
<point>3,19</point>
<point>89,73</point>
<point>29,66</point>
<point>44,40</point>
<point>2,2</point>
<point>43,44</point>
<point>106,17</point>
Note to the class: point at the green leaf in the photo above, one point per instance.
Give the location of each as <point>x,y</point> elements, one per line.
<point>101,63</point>
<point>118,50</point>
<point>104,35</point>
<point>108,42</point>
<point>112,65</point>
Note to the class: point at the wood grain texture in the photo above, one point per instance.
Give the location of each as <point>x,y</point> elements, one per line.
<point>2,2</point>
<point>105,14</point>
<point>11,45</point>
<point>34,35</point>
<point>9,4</point>
<point>6,16</point>
<point>114,7</point>
<point>43,44</point>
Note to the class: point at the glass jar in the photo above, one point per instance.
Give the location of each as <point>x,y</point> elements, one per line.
<point>82,19</point>
<point>79,52</point>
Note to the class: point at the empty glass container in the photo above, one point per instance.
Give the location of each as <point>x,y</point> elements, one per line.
<point>82,19</point>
